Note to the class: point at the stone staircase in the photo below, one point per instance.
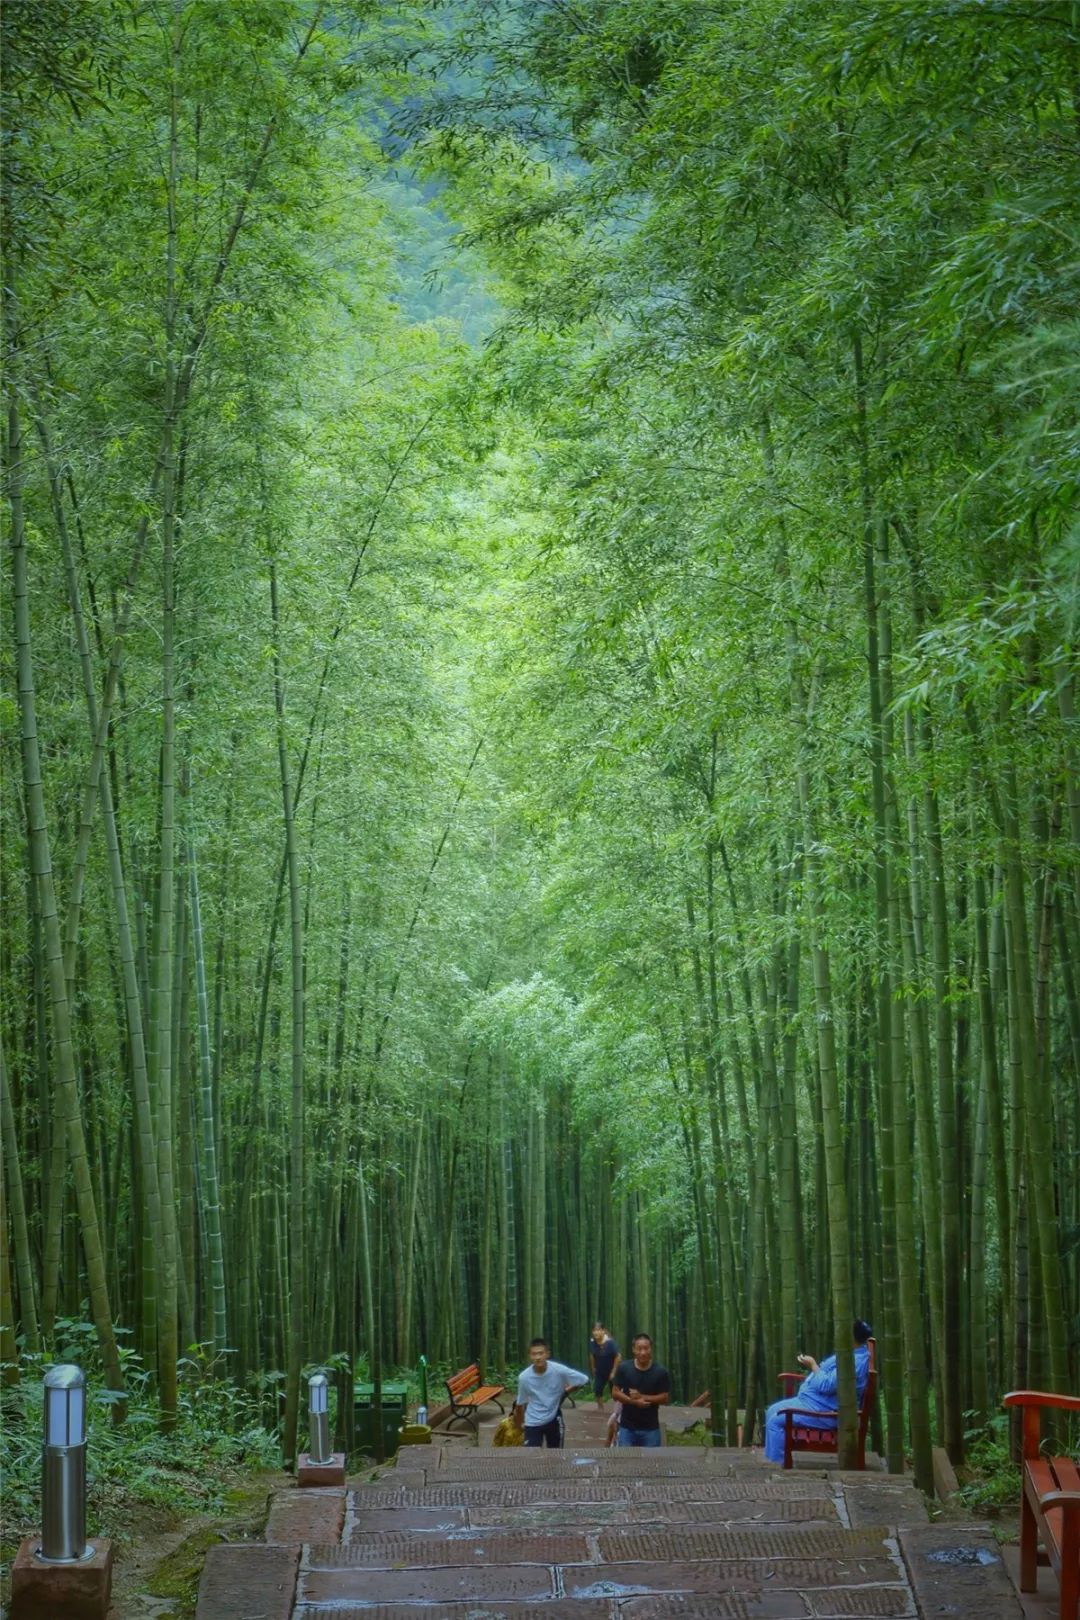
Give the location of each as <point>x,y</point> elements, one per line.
<point>470,1533</point>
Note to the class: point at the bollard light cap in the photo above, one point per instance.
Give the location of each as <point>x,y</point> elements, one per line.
<point>317,1392</point>
<point>65,1375</point>
<point>65,1405</point>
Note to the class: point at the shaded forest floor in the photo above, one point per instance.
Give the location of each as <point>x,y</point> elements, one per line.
<point>160,1552</point>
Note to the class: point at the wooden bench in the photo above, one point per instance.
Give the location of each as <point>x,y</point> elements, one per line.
<point>468,1393</point>
<point>1050,1509</point>
<point>807,1437</point>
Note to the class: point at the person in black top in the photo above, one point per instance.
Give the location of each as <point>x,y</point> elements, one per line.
<point>641,1387</point>
<point>603,1359</point>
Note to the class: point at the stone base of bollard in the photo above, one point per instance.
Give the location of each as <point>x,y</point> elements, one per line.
<point>321,1473</point>
<point>41,1591</point>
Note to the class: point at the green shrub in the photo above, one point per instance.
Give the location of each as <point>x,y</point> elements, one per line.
<point>184,1471</point>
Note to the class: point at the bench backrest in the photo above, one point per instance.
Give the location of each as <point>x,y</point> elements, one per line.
<point>463,1381</point>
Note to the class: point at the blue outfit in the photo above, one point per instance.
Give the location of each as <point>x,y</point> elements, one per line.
<point>817,1395</point>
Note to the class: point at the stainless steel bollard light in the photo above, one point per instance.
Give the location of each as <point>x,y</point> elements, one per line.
<point>63,1468</point>
<point>319,1428</point>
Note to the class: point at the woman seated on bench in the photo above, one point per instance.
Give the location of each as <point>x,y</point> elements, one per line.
<point>817,1394</point>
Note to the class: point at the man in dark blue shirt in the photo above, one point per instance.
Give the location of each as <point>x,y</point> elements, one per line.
<point>641,1387</point>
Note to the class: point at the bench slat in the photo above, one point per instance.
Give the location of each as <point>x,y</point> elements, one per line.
<point>480,1396</point>
<point>1066,1473</point>
<point>1041,1474</point>
<point>464,1379</point>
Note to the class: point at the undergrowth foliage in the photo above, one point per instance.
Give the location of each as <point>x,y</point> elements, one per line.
<point>218,1432</point>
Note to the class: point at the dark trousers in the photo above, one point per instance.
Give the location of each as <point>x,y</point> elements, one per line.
<point>545,1434</point>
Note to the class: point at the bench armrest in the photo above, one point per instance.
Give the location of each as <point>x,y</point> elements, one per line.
<point>798,1377</point>
<point>1039,1397</point>
<point>1031,1402</point>
<point>1061,1499</point>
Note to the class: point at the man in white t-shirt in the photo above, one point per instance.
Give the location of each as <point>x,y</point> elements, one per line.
<point>541,1387</point>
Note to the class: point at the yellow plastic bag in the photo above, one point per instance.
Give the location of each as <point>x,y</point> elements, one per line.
<point>508,1434</point>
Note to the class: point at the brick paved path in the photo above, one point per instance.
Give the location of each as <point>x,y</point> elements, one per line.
<point>459,1532</point>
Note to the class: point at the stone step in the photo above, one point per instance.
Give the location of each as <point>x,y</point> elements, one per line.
<point>512,1457</point>
<point>778,1572</point>
<point>871,1604</point>
<point>499,1544</point>
<point>526,1511</point>
<point>590,1487</point>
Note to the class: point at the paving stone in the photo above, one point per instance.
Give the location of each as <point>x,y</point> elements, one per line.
<point>884,1504</point>
<point>730,1490</point>
<point>869,1603</point>
<point>640,1580</point>
<point>589,1515</point>
<point>733,1575</point>
<point>720,1606</point>
<point>798,1510</point>
<point>499,1476</point>
<point>305,1515</point>
<point>380,1496</point>
<point>522,1494</point>
<point>428,1520</point>
<point>248,1582</point>
<point>336,1588</point>
<point>511,1457</point>
<point>468,1547</point>
<point>554,1609</point>
<point>617,1546</point>
<point>391,1479</point>
<point>409,1479</point>
<point>665,1465</point>
<point>956,1569</point>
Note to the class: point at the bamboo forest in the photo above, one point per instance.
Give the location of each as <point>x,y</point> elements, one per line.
<point>540,730</point>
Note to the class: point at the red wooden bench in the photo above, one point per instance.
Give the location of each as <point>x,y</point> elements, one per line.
<point>468,1393</point>
<point>1050,1510</point>
<point>806,1437</point>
